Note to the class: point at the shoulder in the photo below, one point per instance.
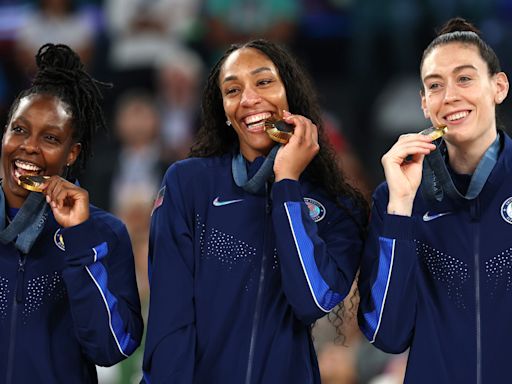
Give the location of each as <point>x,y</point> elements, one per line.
<point>106,221</point>
<point>195,168</point>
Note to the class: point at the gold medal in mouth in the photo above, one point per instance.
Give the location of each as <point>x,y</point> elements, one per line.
<point>278,130</point>
<point>32,182</point>
<point>435,132</point>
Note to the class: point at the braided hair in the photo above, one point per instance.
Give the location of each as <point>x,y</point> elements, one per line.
<point>61,73</point>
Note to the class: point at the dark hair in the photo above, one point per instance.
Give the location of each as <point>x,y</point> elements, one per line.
<point>61,74</point>
<point>215,139</point>
<point>458,30</point>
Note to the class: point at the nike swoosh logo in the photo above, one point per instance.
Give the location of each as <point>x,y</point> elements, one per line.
<point>218,203</point>
<point>428,217</point>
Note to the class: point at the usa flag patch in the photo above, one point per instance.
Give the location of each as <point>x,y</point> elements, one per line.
<point>159,199</point>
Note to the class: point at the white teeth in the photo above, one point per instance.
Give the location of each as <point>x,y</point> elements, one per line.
<point>256,118</point>
<point>457,116</point>
<point>27,166</point>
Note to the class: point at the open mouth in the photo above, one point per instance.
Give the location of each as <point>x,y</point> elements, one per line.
<point>457,116</point>
<point>21,167</point>
<point>256,123</point>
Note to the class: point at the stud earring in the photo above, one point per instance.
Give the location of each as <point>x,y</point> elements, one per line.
<point>228,123</point>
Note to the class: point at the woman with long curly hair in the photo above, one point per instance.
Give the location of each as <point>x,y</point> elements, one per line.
<point>251,241</point>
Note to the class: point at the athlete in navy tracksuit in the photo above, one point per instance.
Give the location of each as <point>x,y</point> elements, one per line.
<point>238,277</point>
<point>436,271</point>
<point>68,294</point>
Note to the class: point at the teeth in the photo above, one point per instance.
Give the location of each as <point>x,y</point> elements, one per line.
<point>27,166</point>
<point>256,118</point>
<point>457,116</point>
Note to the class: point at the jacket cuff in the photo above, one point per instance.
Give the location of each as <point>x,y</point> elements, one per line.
<point>286,190</point>
<point>397,227</point>
<point>83,244</point>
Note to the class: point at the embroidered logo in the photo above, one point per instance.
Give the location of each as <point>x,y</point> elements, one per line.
<point>58,239</point>
<point>159,199</point>
<point>218,203</point>
<point>506,210</point>
<point>429,217</point>
<point>316,209</point>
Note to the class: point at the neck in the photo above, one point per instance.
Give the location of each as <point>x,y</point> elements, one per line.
<point>465,158</point>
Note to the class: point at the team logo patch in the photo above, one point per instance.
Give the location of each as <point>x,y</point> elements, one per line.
<point>58,239</point>
<point>316,209</point>
<point>506,210</point>
<point>159,199</point>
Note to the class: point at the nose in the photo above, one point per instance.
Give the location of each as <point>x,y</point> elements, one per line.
<point>451,93</point>
<point>30,145</point>
<point>249,97</point>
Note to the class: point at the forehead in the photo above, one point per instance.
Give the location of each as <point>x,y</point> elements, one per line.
<point>245,61</point>
<point>50,106</point>
<point>446,57</point>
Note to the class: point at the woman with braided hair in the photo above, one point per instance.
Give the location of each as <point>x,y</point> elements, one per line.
<point>68,294</point>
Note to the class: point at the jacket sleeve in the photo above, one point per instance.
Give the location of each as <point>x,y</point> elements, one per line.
<point>102,288</point>
<point>318,261</point>
<point>387,280</point>
<point>169,355</point>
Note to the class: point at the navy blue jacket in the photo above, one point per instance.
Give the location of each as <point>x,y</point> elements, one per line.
<point>70,303</point>
<point>440,283</point>
<point>237,279</point>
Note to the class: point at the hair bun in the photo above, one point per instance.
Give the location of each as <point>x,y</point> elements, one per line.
<point>58,56</point>
<point>458,24</point>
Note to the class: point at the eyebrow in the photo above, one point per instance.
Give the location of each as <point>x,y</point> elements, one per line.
<point>253,72</point>
<point>27,122</point>
<point>455,70</point>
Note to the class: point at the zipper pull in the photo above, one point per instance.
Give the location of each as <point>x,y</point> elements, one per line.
<point>20,276</point>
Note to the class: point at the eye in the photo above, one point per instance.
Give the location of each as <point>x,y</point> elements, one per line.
<point>464,79</point>
<point>434,86</point>
<point>17,129</point>
<point>265,81</point>
<point>230,91</point>
<point>52,139</point>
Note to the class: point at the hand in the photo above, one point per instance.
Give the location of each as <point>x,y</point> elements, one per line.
<point>294,156</point>
<point>69,202</point>
<point>403,169</point>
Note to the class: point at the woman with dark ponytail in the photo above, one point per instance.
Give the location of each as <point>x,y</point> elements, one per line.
<point>68,295</point>
<point>436,275</point>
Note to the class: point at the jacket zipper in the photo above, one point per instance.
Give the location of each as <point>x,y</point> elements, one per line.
<point>475,215</point>
<point>259,297</point>
<point>17,299</point>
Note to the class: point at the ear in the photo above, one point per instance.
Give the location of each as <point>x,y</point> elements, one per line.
<point>424,105</point>
<point>73,154</point>
<point>502,86</point>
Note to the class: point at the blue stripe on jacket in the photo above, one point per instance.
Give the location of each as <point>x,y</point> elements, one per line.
<point>99,275</point>
<point>380,288</point>
<point>324,297</point>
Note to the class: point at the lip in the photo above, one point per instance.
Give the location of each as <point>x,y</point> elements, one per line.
<point>17,171</point>
<point>260,126</point>
<point>458,121</point>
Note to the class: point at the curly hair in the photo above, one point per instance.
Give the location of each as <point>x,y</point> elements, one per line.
<point>61,74</point>
<point>213,139</point>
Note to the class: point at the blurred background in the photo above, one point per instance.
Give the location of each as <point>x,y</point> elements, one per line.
<point>363,56</point>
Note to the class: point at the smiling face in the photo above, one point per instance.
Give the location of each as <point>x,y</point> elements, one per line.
<point>252,91</point>
<point>38,141</point>
<point>461,94</point>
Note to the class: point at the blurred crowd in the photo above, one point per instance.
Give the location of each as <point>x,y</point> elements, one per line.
<point>363,56</point>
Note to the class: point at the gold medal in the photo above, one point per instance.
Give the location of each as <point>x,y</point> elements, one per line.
<point>278,130</point>
<point>32,182</point>
<point>435,133</point>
